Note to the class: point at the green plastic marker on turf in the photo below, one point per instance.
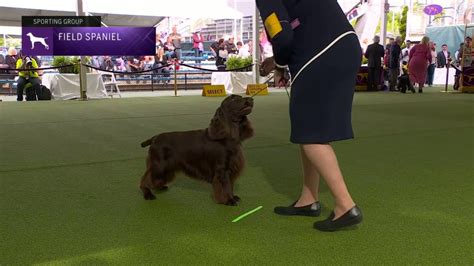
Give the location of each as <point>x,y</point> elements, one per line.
<point>246,214</point>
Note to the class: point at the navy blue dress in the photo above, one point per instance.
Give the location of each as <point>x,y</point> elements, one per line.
<point>322,88</point>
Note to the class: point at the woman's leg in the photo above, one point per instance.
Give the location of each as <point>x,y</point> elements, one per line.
<point>323,158</point>
<point>310,192</point>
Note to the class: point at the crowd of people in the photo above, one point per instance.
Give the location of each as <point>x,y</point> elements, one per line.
<point>414,65</point>
<point>169,51</point>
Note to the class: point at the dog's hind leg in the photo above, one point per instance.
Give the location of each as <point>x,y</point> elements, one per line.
<point>146,182</point>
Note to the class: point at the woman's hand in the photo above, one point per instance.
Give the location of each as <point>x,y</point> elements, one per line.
<point>267,66</point>
<point>281,80</point>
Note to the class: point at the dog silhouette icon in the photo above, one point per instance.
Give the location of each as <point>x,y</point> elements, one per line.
<point>34,39</point>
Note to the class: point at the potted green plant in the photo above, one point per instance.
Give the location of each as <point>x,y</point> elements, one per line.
<point>239,63</point>
<point>67,60</point>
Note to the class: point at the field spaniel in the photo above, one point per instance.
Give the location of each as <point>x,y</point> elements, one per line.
<point>213,154</point>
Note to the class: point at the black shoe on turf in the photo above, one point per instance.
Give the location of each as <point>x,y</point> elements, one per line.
<point>350,218</point>
<point>313,210</point>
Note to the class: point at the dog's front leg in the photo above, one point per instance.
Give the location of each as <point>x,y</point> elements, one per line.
<point>223,188</point>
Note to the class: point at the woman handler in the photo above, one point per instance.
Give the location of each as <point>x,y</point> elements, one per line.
<point>317,43</point>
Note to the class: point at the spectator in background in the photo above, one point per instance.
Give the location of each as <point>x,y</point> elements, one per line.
<point>176,40</point>
<point>464,58</point>
<point>95,61</point>
<point>391,41</point>
<point>249,47</point>
<point>215,47</point>
<point>231,47</point>
<point>266,48</point>
<point>466,53</point>
<point>374,54</point>
<point>107,64</point>
<point>239,47</point>
<point>457,58</point>
<point>198,45</point>
<point>222,53</point>
<point>406,51</point>
<point>10,60</point>
<point>386,67</point>
<point>160,52</point>
<point>394,72</point>
<point>148,63</point>
<point>432,66</point>
<point>120,64</point>
<point>243,50</point>
<point>161,62</point>
<point>133,64</point>
<point>443,56</point>
<point>420,58</point>
<point>3,65</point>
<point>169,48</point>
<point>457,54</point>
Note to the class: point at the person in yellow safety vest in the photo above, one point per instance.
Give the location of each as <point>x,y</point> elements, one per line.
<point>25,77</point>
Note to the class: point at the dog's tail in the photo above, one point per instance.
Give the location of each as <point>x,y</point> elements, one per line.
<point>147,143</point>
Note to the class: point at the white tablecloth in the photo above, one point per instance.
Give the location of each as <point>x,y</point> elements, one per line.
<point>440,76</point>
<point>234,82</point>
<point>66,86</point>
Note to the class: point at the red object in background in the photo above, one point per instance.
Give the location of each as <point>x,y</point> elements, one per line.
<point>176,64</point>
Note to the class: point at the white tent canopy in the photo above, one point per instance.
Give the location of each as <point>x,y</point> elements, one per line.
<point>118,13</point>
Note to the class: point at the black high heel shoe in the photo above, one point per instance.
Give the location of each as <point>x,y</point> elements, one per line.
<point>313,210</point>
<point>351,217</point>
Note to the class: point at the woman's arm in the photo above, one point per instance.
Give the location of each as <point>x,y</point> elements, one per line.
<point>276,20</point>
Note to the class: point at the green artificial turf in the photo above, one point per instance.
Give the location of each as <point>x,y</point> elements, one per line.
<point>69,174</point>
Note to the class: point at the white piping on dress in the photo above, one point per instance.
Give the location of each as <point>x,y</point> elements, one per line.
<point>321,53</point>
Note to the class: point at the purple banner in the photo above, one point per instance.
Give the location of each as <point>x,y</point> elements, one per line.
<point>133,41</point>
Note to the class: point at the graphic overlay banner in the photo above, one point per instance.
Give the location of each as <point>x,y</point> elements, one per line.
<point>61,21</point>
<point>134,41</point>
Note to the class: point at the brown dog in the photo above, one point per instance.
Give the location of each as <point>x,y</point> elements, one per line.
<point>213,154</point>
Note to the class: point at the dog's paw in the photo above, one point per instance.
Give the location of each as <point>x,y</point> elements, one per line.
<point>149,196</point>
<point>236,198</point>
<point>231,202</point>
<point>163,188</point>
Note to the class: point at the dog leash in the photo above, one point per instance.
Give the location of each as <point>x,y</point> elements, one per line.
<point>286,88</point>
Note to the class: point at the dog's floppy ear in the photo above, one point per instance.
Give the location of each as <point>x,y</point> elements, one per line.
<point>222,127</point>
<point>245,129</point>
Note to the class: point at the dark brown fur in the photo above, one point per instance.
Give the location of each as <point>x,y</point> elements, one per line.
<point>213,154</point>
